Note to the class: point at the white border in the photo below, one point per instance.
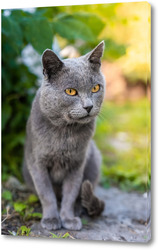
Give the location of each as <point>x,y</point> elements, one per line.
<point>22,243</point>
<point>38,3</point>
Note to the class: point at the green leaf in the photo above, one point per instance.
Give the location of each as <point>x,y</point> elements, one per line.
<point>36,215</point>
<point>32,199</point>
<point>12,233</point>
<point>16,140</point>
<point>54,236</point>
<point>71,28</point>
<point>64,236</point>
<point>12,33</point>
<point>18,14</point>
<point>6,114</point>
<point>38,32</point>
<point>92,21</point>
<point>7,195</point>
<point>29,215</point>
<point>113,50</point>
<point>19,207</point>
<point>23,230</point>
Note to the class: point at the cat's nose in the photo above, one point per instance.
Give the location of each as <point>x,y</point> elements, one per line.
<point>88,108</point>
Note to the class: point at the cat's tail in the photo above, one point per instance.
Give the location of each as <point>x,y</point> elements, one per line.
<point>93,205</point>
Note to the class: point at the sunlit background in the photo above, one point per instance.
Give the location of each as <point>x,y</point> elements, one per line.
<point>123,126</point>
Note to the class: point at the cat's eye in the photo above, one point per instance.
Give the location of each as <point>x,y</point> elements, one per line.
<point>71,92</point>
<point>96,88</point>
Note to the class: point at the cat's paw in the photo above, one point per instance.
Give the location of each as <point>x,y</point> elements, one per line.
<point>72,224</point>
<point>51,223</point>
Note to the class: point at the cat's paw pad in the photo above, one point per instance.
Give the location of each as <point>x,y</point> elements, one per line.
<point>72,224</point>
<point>51,223</point>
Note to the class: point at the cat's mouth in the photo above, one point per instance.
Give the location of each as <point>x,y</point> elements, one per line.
<point>83,119</point>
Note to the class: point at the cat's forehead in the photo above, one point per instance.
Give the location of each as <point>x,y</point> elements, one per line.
<point>76,64</point>
<point>75,71</point>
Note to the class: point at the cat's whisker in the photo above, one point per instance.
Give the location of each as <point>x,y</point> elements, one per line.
<point>101,116</point>
<point>103,113</point>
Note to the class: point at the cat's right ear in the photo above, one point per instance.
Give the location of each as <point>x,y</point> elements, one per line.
<point>51,63</point>
<point>94,57</point>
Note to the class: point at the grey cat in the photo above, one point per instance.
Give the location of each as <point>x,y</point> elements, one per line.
<point>61,161</point>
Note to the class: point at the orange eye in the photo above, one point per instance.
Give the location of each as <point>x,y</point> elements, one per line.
<point>71,92</point>
<point>96,88</point>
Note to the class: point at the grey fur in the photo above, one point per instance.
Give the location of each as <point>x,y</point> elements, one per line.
<point>59,152</point>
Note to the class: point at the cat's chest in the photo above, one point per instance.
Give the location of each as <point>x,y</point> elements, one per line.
<point>61,147</point>
<point>65,142</point>
<point>63,158</point>
<point>60,144</point>
<point>62,151</point>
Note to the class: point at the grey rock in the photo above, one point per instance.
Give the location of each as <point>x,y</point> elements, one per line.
<point>14,184</point>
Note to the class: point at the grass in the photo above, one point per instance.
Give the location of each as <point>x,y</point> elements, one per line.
<point>123,136</point>
<point>22,231</point>
<point>62,236</point>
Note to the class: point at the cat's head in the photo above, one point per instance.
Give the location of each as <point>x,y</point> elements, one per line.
<point>73,89</point>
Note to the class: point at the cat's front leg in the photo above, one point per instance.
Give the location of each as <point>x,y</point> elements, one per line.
<point>50,218</point>
<point>70,191</point>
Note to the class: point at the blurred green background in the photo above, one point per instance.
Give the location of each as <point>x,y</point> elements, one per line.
<point>123,126</point>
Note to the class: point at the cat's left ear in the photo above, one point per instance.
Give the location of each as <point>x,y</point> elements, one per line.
<point>94,57</point>
<point>51,63</point>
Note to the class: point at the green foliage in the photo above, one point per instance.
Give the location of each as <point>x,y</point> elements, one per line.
<point>7,195</point>
<point>40,38</point>
<point>19,207</point>
<point>83,26</point>
<point>26,208</point>
<point>29,214</point>
<point>123,135</point>
<point>60,236</point>
<point>9,25</point>
<point>32,199</point>
<point>71,28</point>
<point>91,20</point>
<point>36,215</point>
<point>113,50</point>
<point>16,84</point>
<point>24,231</point>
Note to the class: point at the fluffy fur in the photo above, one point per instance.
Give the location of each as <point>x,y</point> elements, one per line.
<point>61,161</point>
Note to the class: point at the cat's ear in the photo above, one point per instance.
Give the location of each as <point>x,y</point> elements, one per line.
<point>94,57</point>
<point>51,63</point>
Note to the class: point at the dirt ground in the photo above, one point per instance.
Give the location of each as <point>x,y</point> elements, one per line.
<point>126,217</point>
